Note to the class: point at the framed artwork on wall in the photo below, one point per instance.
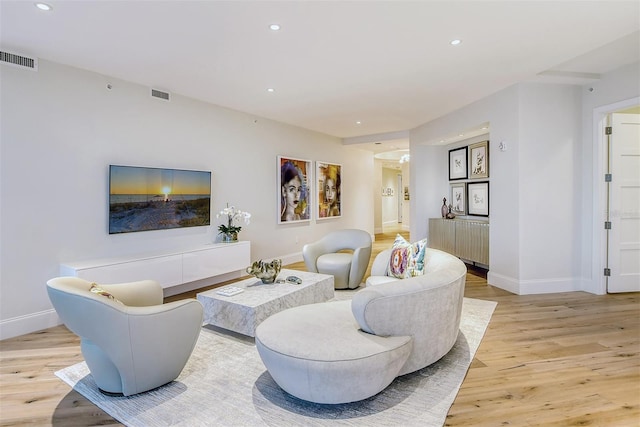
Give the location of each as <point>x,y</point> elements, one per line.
<point>478,198</point>
<point>479,160</point>
<point>329,181</point>
<point>458,163</point>
<point>458,199</point>
<point>294,192</point>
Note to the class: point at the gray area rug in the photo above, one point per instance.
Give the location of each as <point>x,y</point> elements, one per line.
<point>225,384</point>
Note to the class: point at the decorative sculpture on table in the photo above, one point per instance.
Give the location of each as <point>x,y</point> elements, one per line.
<point>265,271</point>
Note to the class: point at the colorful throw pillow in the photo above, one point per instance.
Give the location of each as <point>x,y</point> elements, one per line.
<point>98,290</point>
<point>407,259</point>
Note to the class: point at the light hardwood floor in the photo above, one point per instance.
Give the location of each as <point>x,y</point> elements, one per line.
<point>567,359</point>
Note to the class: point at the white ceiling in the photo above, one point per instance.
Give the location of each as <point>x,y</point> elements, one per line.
<point>386,64</point>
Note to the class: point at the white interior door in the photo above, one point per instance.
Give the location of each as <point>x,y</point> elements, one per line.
<point>624,204</point>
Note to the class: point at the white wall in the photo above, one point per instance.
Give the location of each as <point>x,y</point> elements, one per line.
<point>430,169</point>
<point>377,195</point>
<point>550,137</point>
<point>385,207</point>
<point>406,204</point>
<point>514,196</point>
<point>61,128</point>
<point>428,181</point>
<point>390,203</point>
<point>541,196</point>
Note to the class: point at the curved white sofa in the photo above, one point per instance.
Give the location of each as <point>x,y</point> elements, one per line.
<point>345,351</point>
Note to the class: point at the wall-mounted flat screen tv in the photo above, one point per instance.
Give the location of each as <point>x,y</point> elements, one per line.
<point>142,198</point>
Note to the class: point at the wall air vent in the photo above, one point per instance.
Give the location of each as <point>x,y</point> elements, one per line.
<point>19,60</point>
<point>160,94</point>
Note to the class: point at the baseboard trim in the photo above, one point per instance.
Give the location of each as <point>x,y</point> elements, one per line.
<point>535,286</point>
<point>292,258</point>
<point>549,286</point>
<point>503,282</point>
<point>592,286</point>
<point>28,323</point>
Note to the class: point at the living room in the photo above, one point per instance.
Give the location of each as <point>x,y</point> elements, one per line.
<point>87,121</point>
<point>62,127</point>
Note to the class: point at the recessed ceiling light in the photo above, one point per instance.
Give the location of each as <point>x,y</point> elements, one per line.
<point>43,6</point>
<point>271,89</point>
<point>274,27</point>
<point>462,134</point>
<point>455,42</point>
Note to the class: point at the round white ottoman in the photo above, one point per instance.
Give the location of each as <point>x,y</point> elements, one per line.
<point>318,353</point>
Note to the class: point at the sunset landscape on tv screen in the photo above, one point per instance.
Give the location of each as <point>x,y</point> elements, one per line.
<point>142,199</point>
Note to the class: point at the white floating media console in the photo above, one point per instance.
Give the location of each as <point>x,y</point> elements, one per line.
<point>168,269</point>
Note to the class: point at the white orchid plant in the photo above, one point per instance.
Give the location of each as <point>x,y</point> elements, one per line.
<point>233,216</point>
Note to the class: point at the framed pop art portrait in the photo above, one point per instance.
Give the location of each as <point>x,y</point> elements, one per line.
<point>294,193</point>
<point>479,160</point>
<point>458,164</point>
<point>329,181</point>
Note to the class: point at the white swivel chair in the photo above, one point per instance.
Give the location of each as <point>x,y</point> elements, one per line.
<point>133,343</point>
<point>348,268</point>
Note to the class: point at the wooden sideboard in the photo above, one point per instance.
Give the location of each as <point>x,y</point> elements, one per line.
<point>465,238</point>
<point>168,268</point>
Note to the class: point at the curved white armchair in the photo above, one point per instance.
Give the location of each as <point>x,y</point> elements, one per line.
<point>348,269</point>
<point>134,343</point>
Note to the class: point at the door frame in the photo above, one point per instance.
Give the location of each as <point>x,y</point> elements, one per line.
<point>599,237</point>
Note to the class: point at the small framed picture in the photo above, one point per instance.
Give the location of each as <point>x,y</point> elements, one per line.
<point>479,160</point>
<point>294,193</point>
<point>458,199</point>
<point>458,164</point>
<point>478,198</point>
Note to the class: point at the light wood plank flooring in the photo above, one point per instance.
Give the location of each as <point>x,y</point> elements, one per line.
<point>569,359</point>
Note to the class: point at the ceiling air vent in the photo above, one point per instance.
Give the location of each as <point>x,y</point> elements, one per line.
<point>18,60</point>
<point>160,94</point>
